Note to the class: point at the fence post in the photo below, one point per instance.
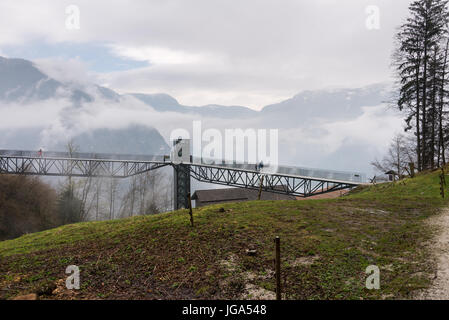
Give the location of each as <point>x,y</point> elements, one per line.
<point>190,208</point>
<point>443,176</point>
<point>442,182</point>
<point>260,188</point>
<point>412,169</point>
<point>277,241</point>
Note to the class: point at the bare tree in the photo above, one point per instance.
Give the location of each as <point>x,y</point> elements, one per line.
<point>128,202</point>
<point>399,155</point>
<point>95,198</point>
<point>147,193</point>
<point>78,192</point>
<point>98,185</point>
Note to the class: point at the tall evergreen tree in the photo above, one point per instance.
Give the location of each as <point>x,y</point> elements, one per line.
<point>419,64</point>
<point>443,94</point>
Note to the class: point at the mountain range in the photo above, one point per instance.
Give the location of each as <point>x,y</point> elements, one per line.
<point>23,83</point>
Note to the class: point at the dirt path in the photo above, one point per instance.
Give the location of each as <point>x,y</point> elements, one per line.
<point>440,288</point>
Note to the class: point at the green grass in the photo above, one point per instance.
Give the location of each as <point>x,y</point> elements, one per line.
<point>162,256</point>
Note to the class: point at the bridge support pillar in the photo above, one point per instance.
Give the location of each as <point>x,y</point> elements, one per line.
<point>181,186</point>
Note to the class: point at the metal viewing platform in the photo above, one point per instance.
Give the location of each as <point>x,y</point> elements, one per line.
<point>301,182</point>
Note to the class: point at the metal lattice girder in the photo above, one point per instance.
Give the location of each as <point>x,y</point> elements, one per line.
<point>277,183</point>
<point>76,167</point>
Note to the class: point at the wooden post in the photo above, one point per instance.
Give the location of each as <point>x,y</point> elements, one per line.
<point>260,188</point>
<point>412,169</point>
<point>190,209</point>
<point>277,241</point>
<point>442,182</point>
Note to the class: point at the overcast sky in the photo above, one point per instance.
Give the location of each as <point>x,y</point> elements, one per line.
<point>252,52</point>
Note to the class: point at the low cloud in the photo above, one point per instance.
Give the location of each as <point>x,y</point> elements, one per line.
<point>318,144</point>
<point>345,144</point>
<point>69,71</point>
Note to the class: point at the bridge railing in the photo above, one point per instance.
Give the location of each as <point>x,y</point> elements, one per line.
<point>288,170</point>
<point>81,155</point>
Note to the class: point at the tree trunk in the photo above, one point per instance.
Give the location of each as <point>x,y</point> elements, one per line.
<point>441,149</point>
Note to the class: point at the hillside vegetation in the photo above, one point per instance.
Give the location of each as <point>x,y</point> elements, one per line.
<point>326,246</point>
<point>26,205</point>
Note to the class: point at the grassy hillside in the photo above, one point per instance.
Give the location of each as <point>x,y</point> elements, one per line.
<point>326,246</point>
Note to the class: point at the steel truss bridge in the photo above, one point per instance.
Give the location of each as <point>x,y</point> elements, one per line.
<point>301,182</point>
